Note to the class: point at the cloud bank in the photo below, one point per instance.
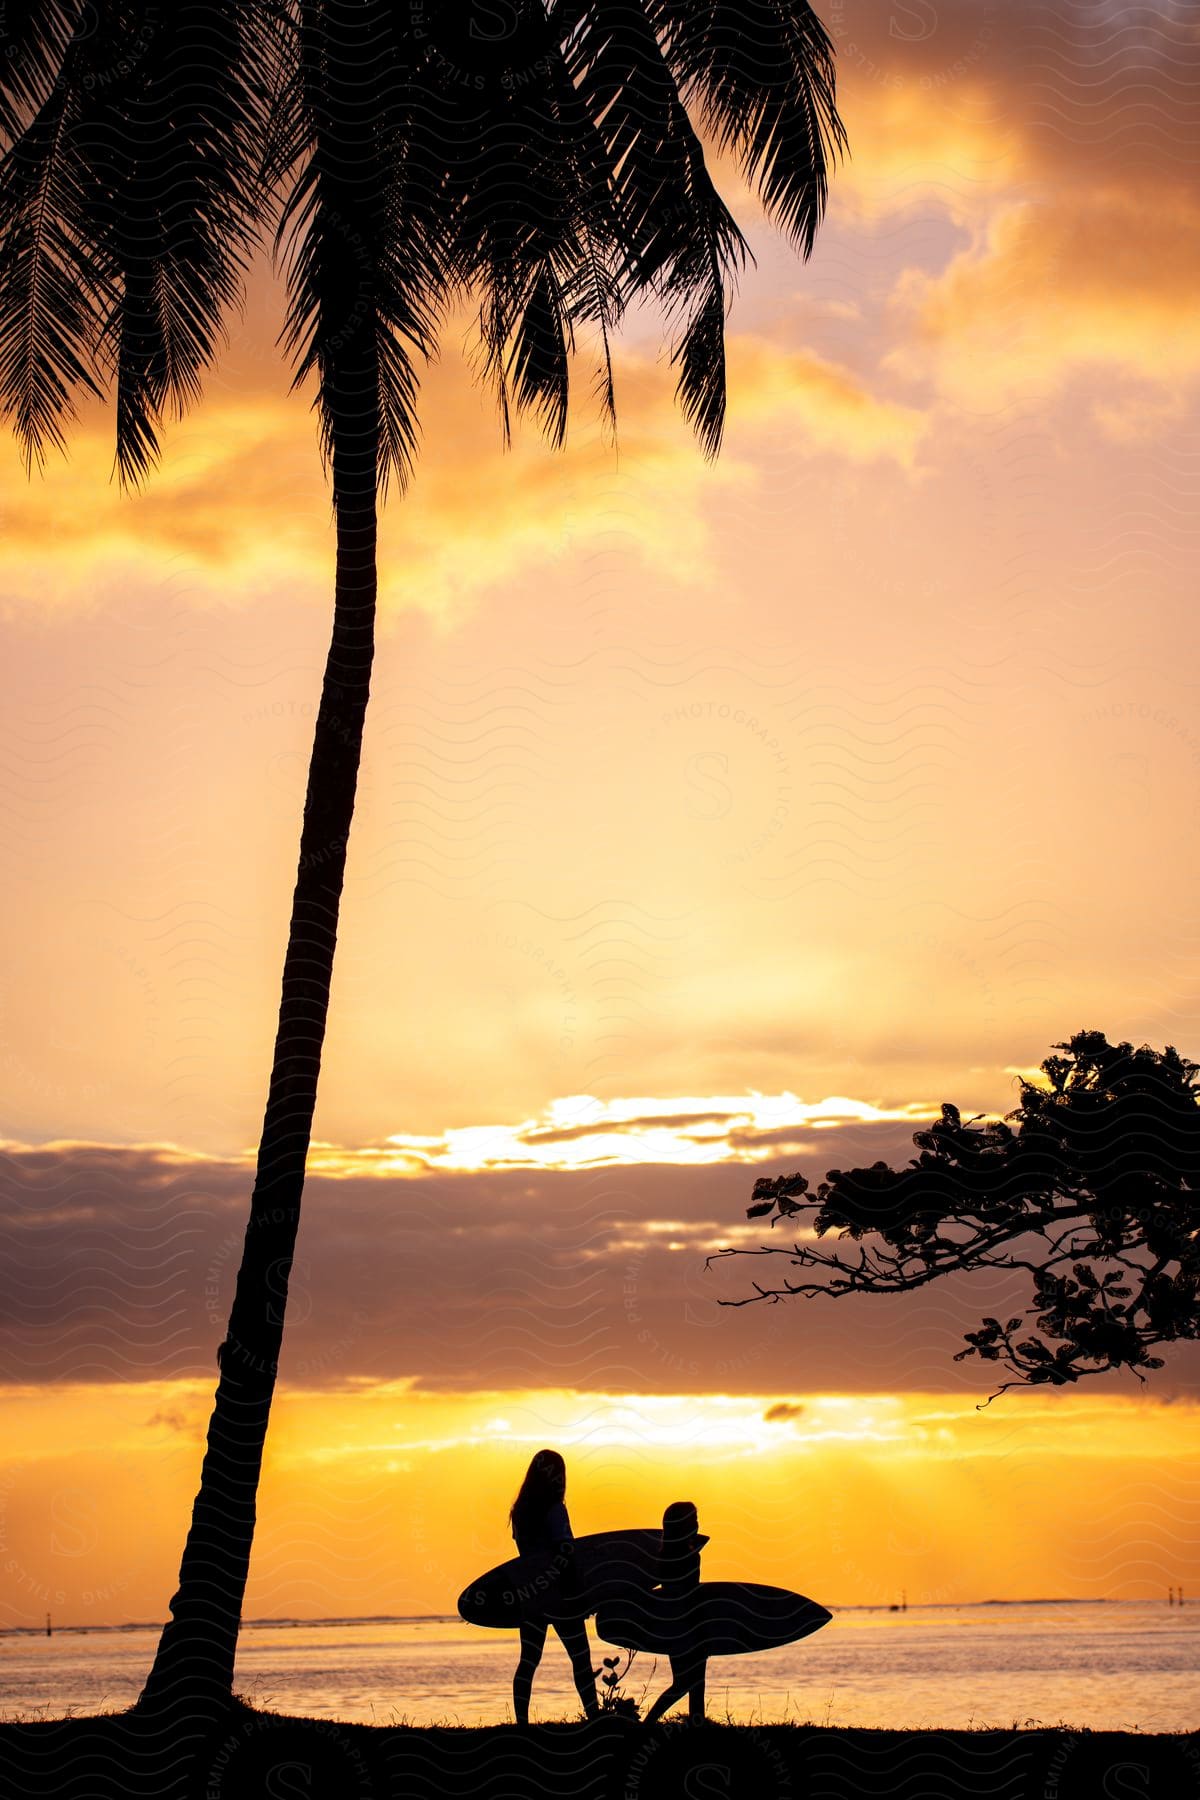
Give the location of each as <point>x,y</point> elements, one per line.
<point>119,1262</point>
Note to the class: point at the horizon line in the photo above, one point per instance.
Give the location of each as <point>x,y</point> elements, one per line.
<point>286,1619</point>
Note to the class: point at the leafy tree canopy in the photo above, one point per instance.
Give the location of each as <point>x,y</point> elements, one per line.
<point>1090,1185</point>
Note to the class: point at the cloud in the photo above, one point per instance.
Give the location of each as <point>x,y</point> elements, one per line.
<point>1100,283</point>
<point>782,1411</point>
<point>1102,88</point>
<point>686,1123</point>
<point>119,1264</point>
<point>239,507</point>
<point>170,1418</point>
<point>581,1131</point>
<point>830,410</point>
<point>1063,153</point>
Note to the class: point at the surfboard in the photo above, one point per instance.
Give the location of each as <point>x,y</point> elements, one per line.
<point>610,1564</point>
<point>718,1618</point>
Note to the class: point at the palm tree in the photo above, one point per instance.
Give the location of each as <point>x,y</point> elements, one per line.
<point>539,159</point>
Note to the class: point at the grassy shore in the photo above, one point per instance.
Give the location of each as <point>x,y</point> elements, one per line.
<point>269,1757</point>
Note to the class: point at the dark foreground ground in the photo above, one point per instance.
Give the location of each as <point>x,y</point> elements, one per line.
<point>274,1758</point>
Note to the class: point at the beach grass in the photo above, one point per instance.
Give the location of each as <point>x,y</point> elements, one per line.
<point>260,1754</point>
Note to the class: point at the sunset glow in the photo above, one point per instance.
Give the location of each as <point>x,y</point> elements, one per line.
<point>581,1132</point>
<point>361,1502</point>
<point>716,819</point>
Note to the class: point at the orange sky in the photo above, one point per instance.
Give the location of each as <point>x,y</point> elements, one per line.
<point>362,1505</point>
<point>861,764</point>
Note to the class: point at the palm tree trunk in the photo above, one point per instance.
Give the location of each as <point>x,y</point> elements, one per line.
<point>192,1674</point>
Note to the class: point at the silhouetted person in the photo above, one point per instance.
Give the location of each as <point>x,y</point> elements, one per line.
<point>540,1523</point>
<point>679,1577</point>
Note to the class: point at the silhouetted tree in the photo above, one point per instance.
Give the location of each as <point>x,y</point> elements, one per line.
<point>542,159</point>
<point>1090,1185</point>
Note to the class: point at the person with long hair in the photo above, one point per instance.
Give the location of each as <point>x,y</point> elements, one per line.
<point>679,1577</point>
<point>540,1524</point>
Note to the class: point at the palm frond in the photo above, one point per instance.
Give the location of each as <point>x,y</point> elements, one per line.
<point>181,148</point>
<point>593,296</point>
<point>584,265</point>
<point>34,35</point>
<point>685,244</point>
<point>539,364</point>
<point>700,358</point>
<point>127,209</point>
<point>535,232</point>
<point>52,279</point>
<point>763,74</point>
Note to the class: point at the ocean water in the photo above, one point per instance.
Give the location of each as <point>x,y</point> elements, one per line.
<point>1117,1666</point>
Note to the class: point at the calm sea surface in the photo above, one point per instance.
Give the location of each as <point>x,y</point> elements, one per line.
<point>1120,1665</point>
